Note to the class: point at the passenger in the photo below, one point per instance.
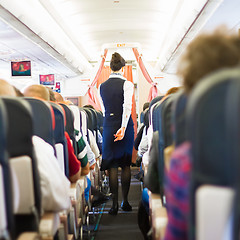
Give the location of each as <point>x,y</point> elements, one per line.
<point>99,135</point>
<point>7,89</point>
<point>18,92</point>
<point>83,149</point>
<point>41,92</point>
<point>51,95</point>
<point>68,102</point>
<point>58,97</point>
<point>140,132</point>
<point>92,141</point>
<point>54,185</point>
<point>205,54</point>
<point>118,133</point>
<point>147,141</point>
<point>88,160</point>
<point>37,91</point>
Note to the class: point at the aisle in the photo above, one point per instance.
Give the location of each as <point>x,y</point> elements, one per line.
<point>124,225</point>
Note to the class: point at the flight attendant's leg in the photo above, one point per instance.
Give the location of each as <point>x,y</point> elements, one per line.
<point>125,181</point>
<point>113,182</point>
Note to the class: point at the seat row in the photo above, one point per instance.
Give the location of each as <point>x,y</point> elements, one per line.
<point>20,205</point>
<point>208,120</point>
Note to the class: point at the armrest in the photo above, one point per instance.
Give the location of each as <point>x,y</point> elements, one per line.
<point>158,216</point>
<point>77,189</point>
<point>49,224</point>
<point>212,220</point>
<point>167,155</point>
<point>29,236</point>
<point>63,226</point>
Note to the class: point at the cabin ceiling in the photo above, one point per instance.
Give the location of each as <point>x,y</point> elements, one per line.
<point>66,36</point>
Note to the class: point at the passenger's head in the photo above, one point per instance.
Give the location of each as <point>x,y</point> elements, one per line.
<point>172,90</point>
<point>88,106</point>
<point>6,89</point>
<point>208,53</point>
<point>18,92</point>
<point>146,105</point>
<point>117,62</point>
<point>37,91</point>
<point>58,97</point>
<point>68,102</point>
<point>51,95</point>
<point>156,99</point>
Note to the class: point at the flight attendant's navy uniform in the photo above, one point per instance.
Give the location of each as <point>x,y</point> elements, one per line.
<point>115,154</point>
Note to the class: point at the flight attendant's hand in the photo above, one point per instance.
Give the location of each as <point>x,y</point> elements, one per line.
<point>119,134</point>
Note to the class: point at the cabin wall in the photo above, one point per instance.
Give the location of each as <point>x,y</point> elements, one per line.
<point>75,87</point>
<point>143,88</point>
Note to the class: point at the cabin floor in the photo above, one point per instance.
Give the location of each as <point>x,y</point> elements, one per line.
<point>122,226</point>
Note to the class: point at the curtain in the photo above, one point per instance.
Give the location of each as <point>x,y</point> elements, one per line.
<point>106,71</point>
<point>128,75</point>
<point>92,93</point>
<point>153,90</point>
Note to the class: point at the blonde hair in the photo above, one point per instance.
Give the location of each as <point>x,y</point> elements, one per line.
<point>6,89</point>
<point>208,53</point>
<point>37,91</point>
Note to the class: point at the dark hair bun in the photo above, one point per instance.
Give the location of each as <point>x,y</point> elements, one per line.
<point>117,62</point>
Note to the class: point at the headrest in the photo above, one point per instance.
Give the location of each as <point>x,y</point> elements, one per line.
<point>207,122</point>
<point>83,119</point>
<point>90,118</point>
<point>43,119</point>
<point>156,99</point>
<point>94,118</point>
<point>99,118</point>
<point>60,122</point>
<point>5,179</point>
<point>69,120</point>
<point>3,127</point>
<point>179,117</point>
<point>3,214</point>
<point>19,141</point>
<point>20,130</point>
<point>76,113</point>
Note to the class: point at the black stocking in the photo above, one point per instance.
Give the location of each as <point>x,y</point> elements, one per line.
<point>125,181</point>
<point>113,182</point>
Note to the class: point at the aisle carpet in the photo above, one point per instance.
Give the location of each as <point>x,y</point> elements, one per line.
<point>124,225</point>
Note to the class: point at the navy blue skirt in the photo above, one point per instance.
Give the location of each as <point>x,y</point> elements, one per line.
<point>117,154</point>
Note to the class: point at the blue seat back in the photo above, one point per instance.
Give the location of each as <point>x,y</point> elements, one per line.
<point>70,126</point>
<point>90,118</point>
<point>208,134</point>
<point>233,143</point>
<point>6,181</point>
<point>156,99</point>
<point>100,120</point>
<point>161,121</point>
<point>19,143</point>
<point>42,120</point>
<point>59,135</point>
<point>179,118</point>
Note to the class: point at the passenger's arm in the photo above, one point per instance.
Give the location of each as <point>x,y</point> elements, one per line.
<point>74,164</point>
<point>143,145</point>
<point>93,144</point>
<point>54,184</point>
<point>75,177</point>
<point>90,154</point>
<point>85,170</point>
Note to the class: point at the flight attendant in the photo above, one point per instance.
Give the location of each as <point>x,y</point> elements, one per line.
<point>118,133</point>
